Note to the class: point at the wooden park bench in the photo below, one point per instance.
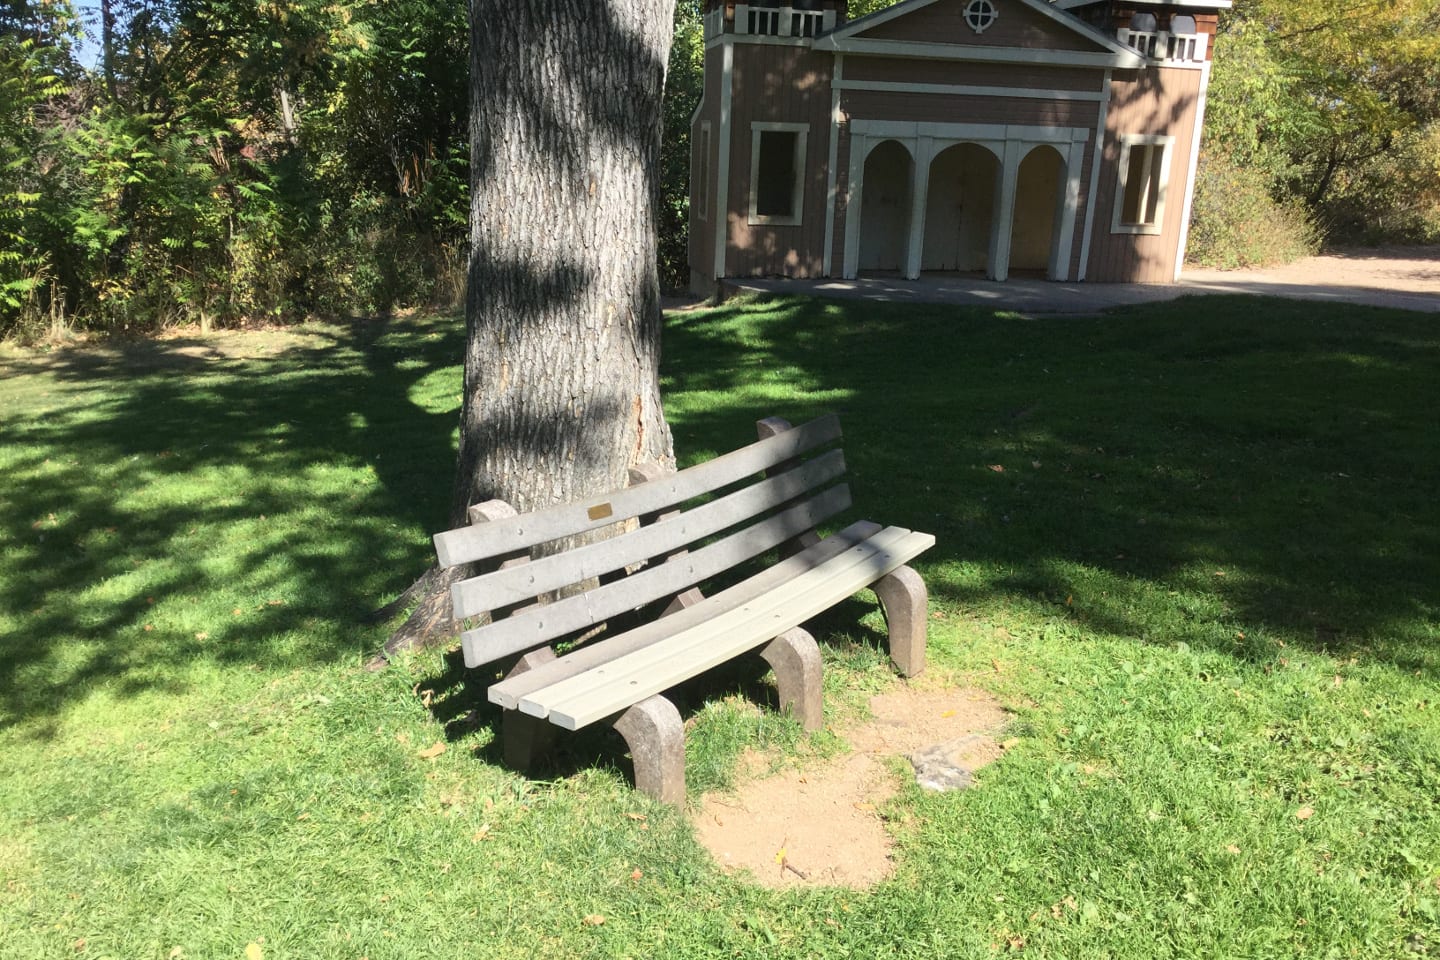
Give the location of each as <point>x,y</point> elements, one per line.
<point>633,607</point>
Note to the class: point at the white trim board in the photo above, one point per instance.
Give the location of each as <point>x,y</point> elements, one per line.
<point>1216,5</point>
<point>969,90</point>
<point>967,132</point>
<point>722,173</point>
<point>1097,160</point>
<point>975,53</point>
<point>1193,170</point>
<point>831,173</point>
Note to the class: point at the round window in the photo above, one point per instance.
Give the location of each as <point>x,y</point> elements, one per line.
<point>980,14</point>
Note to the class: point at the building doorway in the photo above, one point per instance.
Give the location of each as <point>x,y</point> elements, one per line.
<point>1039,208</point>
<point>885,207</point>
<point>960,209</point>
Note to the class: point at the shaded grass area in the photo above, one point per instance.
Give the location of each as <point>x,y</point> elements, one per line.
<point>1195,548</point>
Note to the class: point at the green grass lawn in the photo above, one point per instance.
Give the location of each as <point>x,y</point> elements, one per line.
<point>1195,547</point>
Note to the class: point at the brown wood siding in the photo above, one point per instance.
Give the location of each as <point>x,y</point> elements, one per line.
<point>929,107</point>
<point>1017,26</point>
<point>774,83</point>
<point>1026,76</point>
<point>1156,100</point>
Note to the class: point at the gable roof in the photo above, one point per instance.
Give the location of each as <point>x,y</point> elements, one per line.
<point>1103,51</point>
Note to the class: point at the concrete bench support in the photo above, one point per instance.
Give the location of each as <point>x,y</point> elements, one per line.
<point>903,595</point>
<point>655,735</point>
<point>526,739</point>
<point>795,658</point>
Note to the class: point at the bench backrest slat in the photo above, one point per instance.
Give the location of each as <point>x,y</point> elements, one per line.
<point>512,534</point>
<point>531,628</point>
<point>511,586</point>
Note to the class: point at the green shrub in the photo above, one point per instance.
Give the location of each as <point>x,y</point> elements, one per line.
<point>1236,223</point>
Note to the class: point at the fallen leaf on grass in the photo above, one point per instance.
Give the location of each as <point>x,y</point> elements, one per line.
<point>1304,813</point>
<point>636,874</point>
<point>593,920</point>
<point>996,468</point>
<point>637,816</point>
<point>482,834</point>
<point>202,635</point>
<point>432,751</point>
<point>253,952</point>
<point>79,945</point>
<point>1232,849</point>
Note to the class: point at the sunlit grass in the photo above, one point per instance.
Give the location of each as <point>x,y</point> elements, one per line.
<point>1194,547</point>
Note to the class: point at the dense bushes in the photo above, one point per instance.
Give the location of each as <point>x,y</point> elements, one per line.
<point>223,163</point>
<point>1323,123</point>
<point>1236,222</point>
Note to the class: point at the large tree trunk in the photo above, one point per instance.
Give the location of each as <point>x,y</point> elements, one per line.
<point>562,390</point>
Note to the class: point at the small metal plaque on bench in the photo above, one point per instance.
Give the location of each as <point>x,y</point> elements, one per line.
<point>600,511</point>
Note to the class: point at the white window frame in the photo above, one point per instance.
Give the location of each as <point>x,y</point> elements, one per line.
<point>801,131</point>
<point>703,165</point>
<point>1157,224</point>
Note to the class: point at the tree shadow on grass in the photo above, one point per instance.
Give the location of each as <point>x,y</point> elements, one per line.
<point>165,505</point>
<point>1230,472</point>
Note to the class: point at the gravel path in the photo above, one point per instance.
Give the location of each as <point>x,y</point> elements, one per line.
<point>1403,277</point>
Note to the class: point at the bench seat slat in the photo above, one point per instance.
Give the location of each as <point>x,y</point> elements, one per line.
<point>510,535</point>
<point>524,631</point>
<point>507,692</point>
<point>605,690</point>
<point>517,584</point>
<point>660,661</point>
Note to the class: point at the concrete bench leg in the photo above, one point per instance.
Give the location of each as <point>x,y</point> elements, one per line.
<point>656,737</point>
<point>526,739</point>
<point>795,658</point>
<point>904,597</point>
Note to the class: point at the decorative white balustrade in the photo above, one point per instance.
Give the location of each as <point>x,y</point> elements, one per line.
<point>782,21</point>
<point>1165,46</point>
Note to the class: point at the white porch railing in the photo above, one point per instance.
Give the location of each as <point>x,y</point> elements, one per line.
<point>782,21</point>
<point>1165,46</point>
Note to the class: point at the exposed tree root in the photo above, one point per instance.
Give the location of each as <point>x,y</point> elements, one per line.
<point>429,623</point>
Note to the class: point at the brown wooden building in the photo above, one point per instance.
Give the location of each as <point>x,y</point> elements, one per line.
<point>1002,137</point>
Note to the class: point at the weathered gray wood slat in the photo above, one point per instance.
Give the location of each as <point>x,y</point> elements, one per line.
<point>666,657</point>
<point>542,624</point>
<point>507,692</point>
<point>606,690</point>
<point>504,587</point>
<point>468,544</point>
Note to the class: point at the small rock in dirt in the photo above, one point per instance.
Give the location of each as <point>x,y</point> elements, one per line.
<point>947,766</point>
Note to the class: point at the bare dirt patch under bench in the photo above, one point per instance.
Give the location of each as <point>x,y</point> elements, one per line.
<point>822,824</point>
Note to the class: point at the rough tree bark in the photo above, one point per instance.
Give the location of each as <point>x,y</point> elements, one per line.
<point>562,390</point>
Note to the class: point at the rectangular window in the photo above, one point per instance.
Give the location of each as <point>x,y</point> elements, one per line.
<point>1144,179</point>
<point>777,165</point>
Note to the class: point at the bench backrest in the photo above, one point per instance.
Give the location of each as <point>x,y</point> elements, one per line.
<point>776,497</point>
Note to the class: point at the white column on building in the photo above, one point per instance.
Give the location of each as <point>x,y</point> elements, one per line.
<point>919,189</point>
<point>1069,206</point>
<point>1004,221</point>
<point>854,188</point>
